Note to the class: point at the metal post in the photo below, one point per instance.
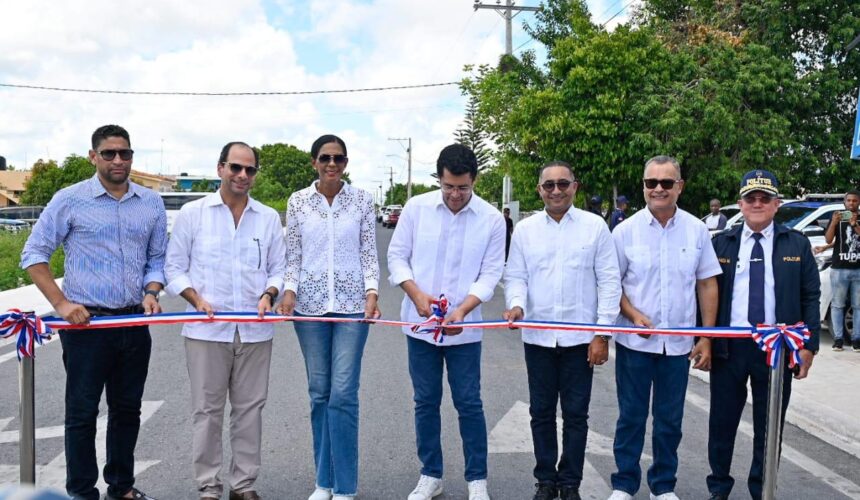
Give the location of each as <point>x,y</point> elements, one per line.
<point>774,427</point>
<point>27,434</point>
<point>509,39</point>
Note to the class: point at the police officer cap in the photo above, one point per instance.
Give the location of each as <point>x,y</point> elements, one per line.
<point>759,180</point>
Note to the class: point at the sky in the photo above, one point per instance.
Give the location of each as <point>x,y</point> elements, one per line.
<point>247,46</point>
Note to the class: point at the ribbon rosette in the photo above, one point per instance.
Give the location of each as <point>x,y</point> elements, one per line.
<point>28,327</point>
<point>770,339</point>
<point>433,324</point>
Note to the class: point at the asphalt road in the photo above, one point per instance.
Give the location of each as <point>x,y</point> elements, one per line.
<point>389,468</point>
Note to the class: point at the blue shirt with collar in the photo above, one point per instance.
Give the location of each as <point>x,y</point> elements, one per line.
<point>113,247</point>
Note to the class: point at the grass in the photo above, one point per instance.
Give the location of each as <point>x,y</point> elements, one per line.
<point>11,274</point>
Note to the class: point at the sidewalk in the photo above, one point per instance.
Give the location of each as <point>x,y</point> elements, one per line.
<point>824,404</point>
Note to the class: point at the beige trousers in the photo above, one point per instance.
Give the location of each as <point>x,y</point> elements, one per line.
<point>217,369</point>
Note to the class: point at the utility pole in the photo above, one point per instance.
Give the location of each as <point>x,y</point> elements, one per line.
<point>390,179</point>
<point>507,11</point>
<point>409,165</point>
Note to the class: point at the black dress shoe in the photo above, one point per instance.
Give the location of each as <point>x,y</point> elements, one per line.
<point>136,494</point>
<point>719,496</point>
<point>569,493</point>
<point>248,495</point>
<point>545,491</point>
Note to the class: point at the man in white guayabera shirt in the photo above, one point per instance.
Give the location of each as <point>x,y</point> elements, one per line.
<point>227,253</point>
<point>448,242</point>
<point>562,267</point>
<point>666,260</point>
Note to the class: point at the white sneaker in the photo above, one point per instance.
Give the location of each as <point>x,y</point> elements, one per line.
<point>620,495</point>
<point>320,494</point>
<point>427,488</point>
<point>342,497</point>
<point>665,496</point>
<point>478,490</point>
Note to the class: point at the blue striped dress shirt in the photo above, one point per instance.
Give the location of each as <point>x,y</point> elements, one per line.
<point>113,247</point>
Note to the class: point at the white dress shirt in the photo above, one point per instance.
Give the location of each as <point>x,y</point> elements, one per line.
<point>445,253</point>
<point>741,290</point>
<point>563,271</point>
<point>229,266</point>
<point>659,269</point>
<point>331,250</point>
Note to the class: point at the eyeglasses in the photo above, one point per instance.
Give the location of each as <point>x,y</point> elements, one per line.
<point>447,188</point>
<point>236,169</point>
<point>338,159</point>
<point>110,154</point>
<point>764,199</point>
<point>666,184</point>
<point>549,186</point>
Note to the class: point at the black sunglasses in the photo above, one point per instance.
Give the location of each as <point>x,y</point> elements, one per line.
<point>763,198</point>
<point>338,159</point>
<point>549,186</point>
<point>110,154</point>
<point>236,169</point>
<point>666,184</point>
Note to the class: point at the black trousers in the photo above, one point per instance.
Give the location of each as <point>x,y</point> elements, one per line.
<point>728,397</point>
<point>559,373</point>
<point>115,360</point>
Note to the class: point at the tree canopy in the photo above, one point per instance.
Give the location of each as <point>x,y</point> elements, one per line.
<point>47,178</point>
<point>723,86</point>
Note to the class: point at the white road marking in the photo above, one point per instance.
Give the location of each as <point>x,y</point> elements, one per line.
<point>53,474</point>
<point>836,481</point>
<point>13,354</point>
<point>512,434</point>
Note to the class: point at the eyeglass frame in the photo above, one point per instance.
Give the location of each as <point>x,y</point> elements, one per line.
<point>238,168</point>
<point>116,152</point>
<point>661,182</point>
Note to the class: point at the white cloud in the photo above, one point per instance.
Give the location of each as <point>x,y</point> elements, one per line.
<point>232,46</point>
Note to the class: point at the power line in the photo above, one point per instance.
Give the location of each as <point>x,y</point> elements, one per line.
<point>628,4</point>
<point>226,94</point>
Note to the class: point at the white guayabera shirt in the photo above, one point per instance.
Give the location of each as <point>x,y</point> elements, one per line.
<point>229,266</point>
<point>445,253</point>
<point>563,271</point>
<point>659,268</point>
<point>331,250</point>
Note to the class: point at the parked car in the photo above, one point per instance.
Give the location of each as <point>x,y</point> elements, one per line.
<point>29,214</point>
<point>13,225</point>
<point>173,201</point>
<point>391,217</point>
<point>383,211</point>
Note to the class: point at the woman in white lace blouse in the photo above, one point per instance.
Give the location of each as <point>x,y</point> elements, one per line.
<point>332,271</point>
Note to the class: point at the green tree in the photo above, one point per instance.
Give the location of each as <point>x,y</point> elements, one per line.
<point>489,184</point>
<point>284,169</point>
<point>397,194</point>
<point>473,136</point>
<point>47,178</point>
<point>202,186</point>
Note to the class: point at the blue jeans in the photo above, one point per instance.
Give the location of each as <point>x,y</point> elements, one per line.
<point>844,283</point>
<point>464,378</point>
<point>332,353</point>
<point>559,372</point>
<point>116,360</point>
<point>635,374</point>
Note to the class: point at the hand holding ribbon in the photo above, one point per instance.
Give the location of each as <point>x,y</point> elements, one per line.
<point>433,324</point>
<point>28,327</point>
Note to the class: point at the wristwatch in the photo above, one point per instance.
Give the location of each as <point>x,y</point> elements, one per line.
<point>605,338</point>
<point>154,293</point>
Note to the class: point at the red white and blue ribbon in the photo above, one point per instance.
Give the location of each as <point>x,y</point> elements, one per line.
<point>29,328</point>
<point>433,324</point>
<point>771,340</point>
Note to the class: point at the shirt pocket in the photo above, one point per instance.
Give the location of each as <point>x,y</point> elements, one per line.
<point>688,260</point>
<point>252,253</point>
<point>581,257</point>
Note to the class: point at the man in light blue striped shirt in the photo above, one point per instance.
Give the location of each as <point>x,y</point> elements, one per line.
<point>114,234</point>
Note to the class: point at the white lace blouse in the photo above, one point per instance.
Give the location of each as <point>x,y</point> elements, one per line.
<point>331,250</point>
